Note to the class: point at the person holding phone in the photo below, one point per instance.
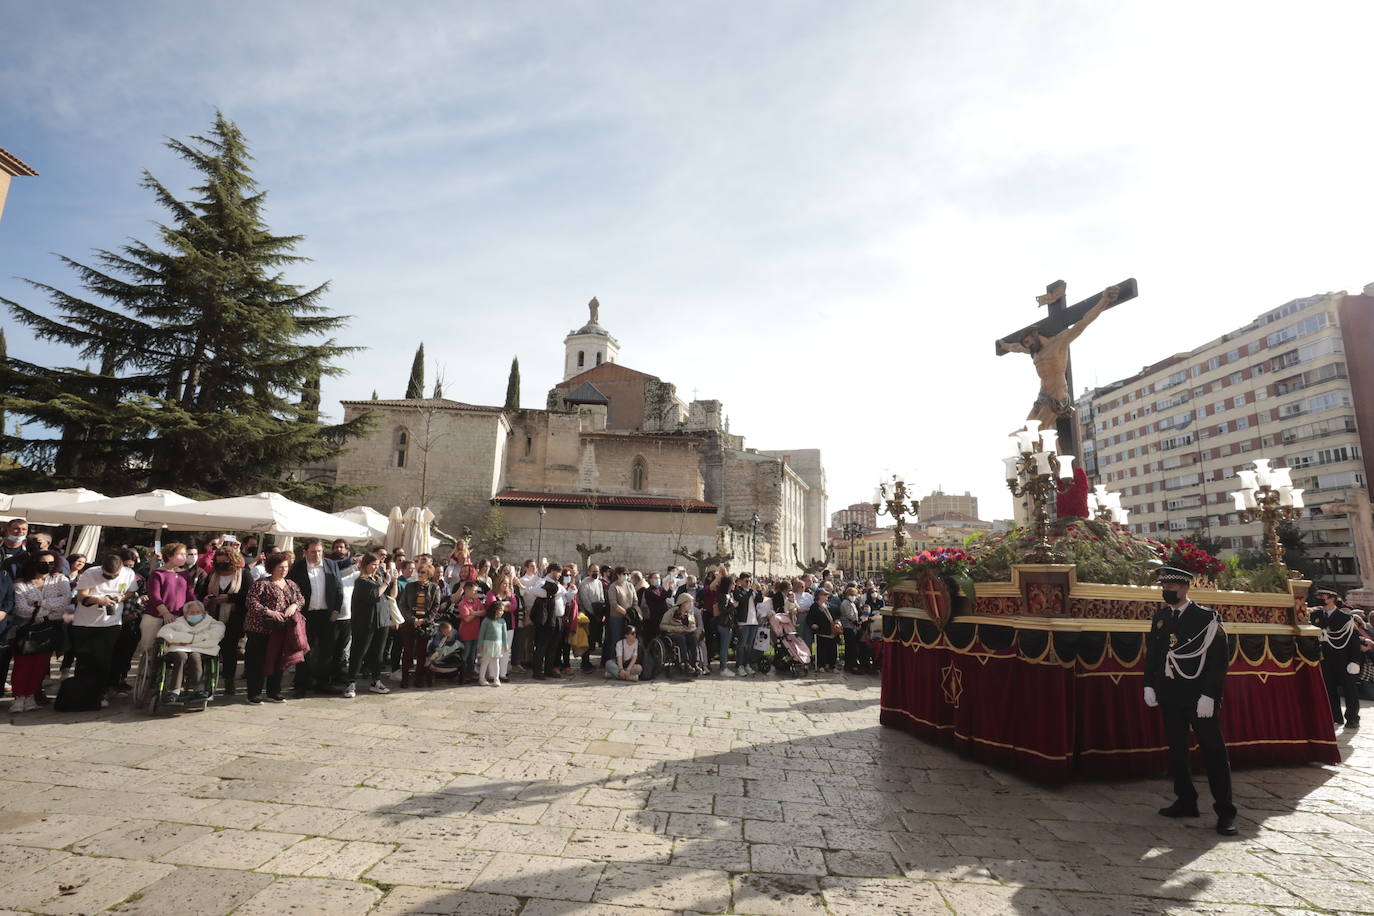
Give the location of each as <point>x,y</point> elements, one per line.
<point>100,595</point>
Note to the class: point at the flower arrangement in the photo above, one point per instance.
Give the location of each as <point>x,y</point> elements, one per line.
<point>1104,552</point>
<point>936,563</point>
<point>1184,554</point>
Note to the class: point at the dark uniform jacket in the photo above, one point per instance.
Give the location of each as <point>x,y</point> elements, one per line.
<point>1185,627</point>
<point>1333,622</point>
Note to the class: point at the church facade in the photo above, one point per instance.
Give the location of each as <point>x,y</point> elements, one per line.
<point>615,468</point>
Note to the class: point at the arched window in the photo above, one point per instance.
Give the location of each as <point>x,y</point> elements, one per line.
<point>638,474</point>
<point>581,359</point>
<point>598,359</point>
<point>400,446</point>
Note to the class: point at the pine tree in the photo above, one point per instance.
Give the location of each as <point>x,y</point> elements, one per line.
<point>4,354</point>
<point>415,388</point>
<point>208,359</point>
<point>374,395</point>
<point>492,540</point>
<point>513,385</point>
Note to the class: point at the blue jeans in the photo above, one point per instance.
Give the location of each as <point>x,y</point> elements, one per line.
<point>724,635</point>
<point>615,631</point>
<point>469,656</point>
<point>744,655</point>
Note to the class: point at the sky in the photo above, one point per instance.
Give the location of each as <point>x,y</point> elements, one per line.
<point>822,214</point>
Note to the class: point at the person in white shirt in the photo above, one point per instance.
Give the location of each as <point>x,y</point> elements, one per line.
<point>626,666</point>
<point>100,595</point>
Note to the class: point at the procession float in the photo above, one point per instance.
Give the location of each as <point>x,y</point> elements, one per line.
<point>1025,650</point>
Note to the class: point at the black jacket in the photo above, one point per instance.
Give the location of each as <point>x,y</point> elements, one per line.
<point>816,617</point>
<point>1187,629</point>
<point>1333,623</point>
<point>333,585</point>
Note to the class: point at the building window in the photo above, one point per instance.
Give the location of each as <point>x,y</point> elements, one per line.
<point>400,446</point>
<point>581,359</point>
<point>598,359</point>
<point>529,446</point>
<point>637,475</point>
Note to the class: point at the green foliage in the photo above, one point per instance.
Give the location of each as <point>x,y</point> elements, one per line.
<point>1102,551</point>
<point>513,385</point>
<point>491,540</point>
<point>208,361</point>
<point>1239,577</point>
<point>1294,544</point>
<point>415,388</point>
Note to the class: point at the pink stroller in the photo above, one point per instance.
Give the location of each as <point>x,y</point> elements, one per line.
<point>792,654</point>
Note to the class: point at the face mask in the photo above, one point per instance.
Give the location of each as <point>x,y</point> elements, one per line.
<point>194,619</point>
<point>42,568</point>
<point>1170,596</point>
<point>655,582</point>
<point>12,539</point>
<point>567,579</point>
<point>224,566</point>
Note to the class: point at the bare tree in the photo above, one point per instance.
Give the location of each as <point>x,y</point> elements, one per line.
<point>428,439</point>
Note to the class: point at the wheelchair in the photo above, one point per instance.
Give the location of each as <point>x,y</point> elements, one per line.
<point>665,655</point>
<point>154,670</point>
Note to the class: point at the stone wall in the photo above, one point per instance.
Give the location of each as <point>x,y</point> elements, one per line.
<point>453,460</point>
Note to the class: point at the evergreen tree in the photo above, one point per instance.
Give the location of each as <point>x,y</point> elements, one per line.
<point>208,359</point>
<point>415,388</point>
<point>374,394</point>
<point>513,385</point>
<point>492,540</point>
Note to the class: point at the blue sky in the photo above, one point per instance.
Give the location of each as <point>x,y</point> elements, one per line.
<point>821,214</point>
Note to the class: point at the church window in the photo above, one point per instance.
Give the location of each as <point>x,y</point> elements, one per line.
<point>401,445</point>
<point>581,359</point>
<point>529,446</point>
<point>637,475</point>
<point>598,359</point>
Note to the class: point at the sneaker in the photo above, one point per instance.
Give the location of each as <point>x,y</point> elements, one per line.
<point>395,675</point>
<point>634,677</point>
<point>350,691</point>
<point>275,698</point>
<point>378,687</point>
<point>255,701</point>
<point>20,704</point>
<point>724,670</point>
<point>104,703</point>
<point>496,682</point>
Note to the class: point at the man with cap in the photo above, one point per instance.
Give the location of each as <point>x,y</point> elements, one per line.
<point>1186,657</point>
<point>1341,655</point>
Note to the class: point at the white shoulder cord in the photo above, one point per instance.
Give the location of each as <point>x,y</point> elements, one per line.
<point>1172,668</point>
<point>1343,634</point>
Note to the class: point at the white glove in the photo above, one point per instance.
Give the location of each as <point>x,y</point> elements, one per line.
<point>1150,699</point>
<point>1352,668</point>
<point>1205,707</point>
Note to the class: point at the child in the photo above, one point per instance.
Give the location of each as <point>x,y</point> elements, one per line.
<point>471,616</point>
<point>442,644</point>
<point>626,665</point>
<point>493,643</point>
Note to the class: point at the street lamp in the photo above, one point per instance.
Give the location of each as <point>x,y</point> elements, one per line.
<point>897,506</point>
<point>1267,495</point>
<point>754,541</point>
<point>539,544</point>
<point>852,532</point>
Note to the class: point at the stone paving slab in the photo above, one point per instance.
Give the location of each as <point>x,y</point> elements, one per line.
<point>581,798</point>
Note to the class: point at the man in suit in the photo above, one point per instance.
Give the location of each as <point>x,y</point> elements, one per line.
<point>1341,655</point>
<point>318,578</point>
<point>1186,657</point>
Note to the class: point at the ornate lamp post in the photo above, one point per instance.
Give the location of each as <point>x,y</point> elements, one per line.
<point>1035,469</point>
<point>754,541</point>
<point>851,532</point>
<point>1267,495</point>
<point>539,544</point>
<point>897,506</point>
<point>1106,506</point>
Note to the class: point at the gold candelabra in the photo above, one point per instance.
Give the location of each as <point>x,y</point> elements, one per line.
<point>1267,495</point>
<point>1035,470</point>
<point>898,507</point>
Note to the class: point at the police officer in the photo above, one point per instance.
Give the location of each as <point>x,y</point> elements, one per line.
<point>1341,655</point>
<point>1186,657</point>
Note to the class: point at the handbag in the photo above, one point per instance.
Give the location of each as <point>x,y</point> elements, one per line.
<point>39,637</point>
<point>393,609</point>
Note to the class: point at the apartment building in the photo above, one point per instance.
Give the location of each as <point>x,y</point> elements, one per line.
<point>1172,438</point>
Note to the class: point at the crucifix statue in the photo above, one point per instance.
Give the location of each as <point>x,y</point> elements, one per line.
<point>1047,341</point>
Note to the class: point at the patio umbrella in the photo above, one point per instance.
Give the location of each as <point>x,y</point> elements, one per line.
<point>36,507</point>
<point>374,521</point>
<point>262,512</point>
<point>87,540</point>
<point>4,507</point>
<point>415,537</point>
<point>117,512</point>
<point>395,528</point>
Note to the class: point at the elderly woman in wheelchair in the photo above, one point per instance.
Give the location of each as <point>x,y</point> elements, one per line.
<point>188,652</point>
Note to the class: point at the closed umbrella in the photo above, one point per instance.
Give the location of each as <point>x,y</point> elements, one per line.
<point>263,512</point>
<point>415,537</point>
<point>395,528</point>
<point>87,540</point>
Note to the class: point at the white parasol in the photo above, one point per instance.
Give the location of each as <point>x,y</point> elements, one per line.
<point>374,521</point>
<point>263,512</point>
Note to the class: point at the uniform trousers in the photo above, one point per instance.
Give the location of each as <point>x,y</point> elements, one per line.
<point>1340,682</point>
<point>1178,722</point>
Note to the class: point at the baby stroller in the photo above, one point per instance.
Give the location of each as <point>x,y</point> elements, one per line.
<point>793,656</point>
<point>446,660</point>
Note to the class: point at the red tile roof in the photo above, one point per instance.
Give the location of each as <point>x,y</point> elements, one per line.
<point>606,372</point>
<point>602,500</point>
<point>423,404</point>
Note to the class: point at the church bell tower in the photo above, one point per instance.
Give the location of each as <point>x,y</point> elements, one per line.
<point>589,346</point>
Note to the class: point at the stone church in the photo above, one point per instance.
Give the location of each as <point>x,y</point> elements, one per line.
<point>616,463</point>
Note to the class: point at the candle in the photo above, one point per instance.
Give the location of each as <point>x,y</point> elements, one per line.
<point>1247,480</point>
<point>1262,471</point>
<point>1011,464</point>
<point>1239,497</point>
<point>1123,516</point>
<point>1026,440</point>
<point>1250,501</point>
<point>1281,477</point>
<point>1066,467</point>
<point>1049,441</point>
<point>1297,499</point>
<point>1032,426</point>
<point>1285,496</point>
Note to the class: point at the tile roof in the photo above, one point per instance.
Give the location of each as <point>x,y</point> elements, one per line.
<point>12,164</point>
<point>586,393</point>
<point>602,500</point>
<point>608,372</point>
<point>424,404</point>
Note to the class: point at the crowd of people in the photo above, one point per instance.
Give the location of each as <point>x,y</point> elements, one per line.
<point>341,621</point>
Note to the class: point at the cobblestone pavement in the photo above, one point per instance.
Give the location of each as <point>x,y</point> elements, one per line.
<point>757,795</point>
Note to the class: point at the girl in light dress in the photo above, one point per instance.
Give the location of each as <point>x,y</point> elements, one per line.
<point>493,643</point>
